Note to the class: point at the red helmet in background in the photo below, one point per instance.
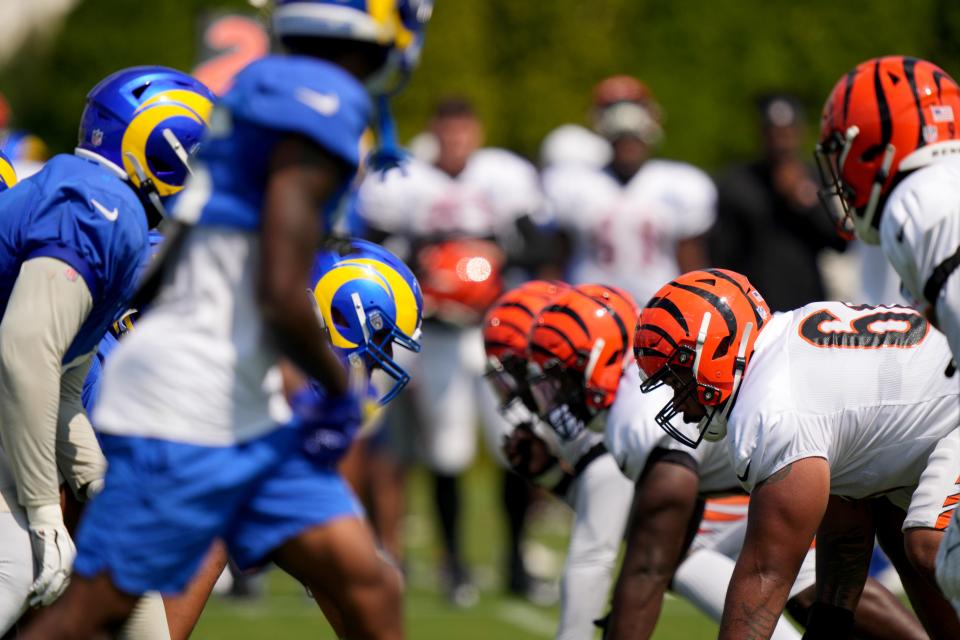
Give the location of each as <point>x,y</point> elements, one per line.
<point>624,106</point>
<point>460,279</point>
<point>699,327</point>
<point>580,343</point>
<point>885,116</point>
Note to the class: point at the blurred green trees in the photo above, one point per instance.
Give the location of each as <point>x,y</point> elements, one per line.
<point>530,64</point>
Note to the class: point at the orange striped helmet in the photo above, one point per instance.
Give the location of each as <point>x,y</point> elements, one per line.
<point>697,334</point>
<point>886,116</point>
<point>506,330</point>
<point>578,345</point>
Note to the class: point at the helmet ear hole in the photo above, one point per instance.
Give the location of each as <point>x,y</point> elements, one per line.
<point>338,318</point>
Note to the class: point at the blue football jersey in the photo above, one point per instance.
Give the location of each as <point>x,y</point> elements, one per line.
<point>83,214</point>
<point>271,98</point>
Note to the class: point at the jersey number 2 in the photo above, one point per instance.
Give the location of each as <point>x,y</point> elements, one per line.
<point>881,328</point>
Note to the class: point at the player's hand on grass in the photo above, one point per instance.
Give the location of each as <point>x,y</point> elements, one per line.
<point>53,553</point>
<point>526,452</point>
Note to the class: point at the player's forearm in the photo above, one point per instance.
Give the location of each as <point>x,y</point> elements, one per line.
<point>637,601</point>
<point>79,457</point>
<point>44,312</point>
<point>755,600</point>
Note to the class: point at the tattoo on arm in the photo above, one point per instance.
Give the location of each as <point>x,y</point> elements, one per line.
<point>759,623</point>
<point>779,476</point>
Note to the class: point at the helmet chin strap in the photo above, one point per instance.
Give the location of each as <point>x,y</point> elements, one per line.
<point>146,185</point>
<point>595,352</point>
<point>720,421</point>
<point>864,224</point>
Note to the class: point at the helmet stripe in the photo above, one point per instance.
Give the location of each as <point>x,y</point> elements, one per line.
<point>566,311</point>
<point>536,347</point>
<point>517,305</point>
<point>886,124</point>
<point>722,308</point>
<point>848,90</point>
<point>756,311</point>
<point>668,305</point>
<point>938,77</point>
<point>660,332</point>
<point>909,70</point>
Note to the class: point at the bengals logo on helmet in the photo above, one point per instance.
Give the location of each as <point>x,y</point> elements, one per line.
<point>587,330</point>
<point>885,116</point>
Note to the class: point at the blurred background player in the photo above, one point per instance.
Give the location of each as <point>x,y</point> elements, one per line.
<point>637,221</point>
<point>896,174</point>
<point>75,236</point>
<point>26,151</point>
<point>282,151</point>
<point>770,226</point>
<point>869,444</point>
<point>468,221</point>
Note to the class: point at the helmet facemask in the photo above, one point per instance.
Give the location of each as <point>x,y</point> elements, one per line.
<point>837,197</point>
<point>380,333</point>
<point>560,398</point>
<point>682,372</point>
<point>508,379</point>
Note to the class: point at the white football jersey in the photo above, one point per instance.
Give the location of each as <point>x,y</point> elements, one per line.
<point>632,432</point>
<point>494,189</point>
<point>919,229</point>
<point>866,388</point>
<point>627,235</point>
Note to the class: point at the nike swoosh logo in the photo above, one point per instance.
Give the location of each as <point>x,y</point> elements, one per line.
<point>746,473</point>
<point>326,104</point>
<point>107,213</point>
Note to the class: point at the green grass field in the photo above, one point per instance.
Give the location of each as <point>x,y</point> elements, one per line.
<point>286,612</point>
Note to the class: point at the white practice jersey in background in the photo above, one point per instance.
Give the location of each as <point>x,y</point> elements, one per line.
<point>632,433</point>
<point>627,235</point>
<point>863,387</point>
<point>494,189</point>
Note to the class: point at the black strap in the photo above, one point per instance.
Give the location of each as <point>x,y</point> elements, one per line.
<point>931,291</point>
<point>595,452</point>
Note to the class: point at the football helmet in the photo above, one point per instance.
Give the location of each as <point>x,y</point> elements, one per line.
<point>144,123</point>
<point>397,25</point>
<point>506,329</point>
<point>460,279</point>
<point>368,301</point>
<point>579,345</point>
<point>624,106</point>
<point>8,177</point>
<point>885,116</point>
<point>696,334</point>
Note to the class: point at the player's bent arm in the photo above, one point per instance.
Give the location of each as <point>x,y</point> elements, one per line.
<point>301,178</point>
<point>601,503</point>
<point>664,501</point>
<point>79,457</point>
<point>785,511</point>
<point>45,310</point>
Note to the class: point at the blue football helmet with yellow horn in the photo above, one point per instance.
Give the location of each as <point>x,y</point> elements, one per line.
<point>145,123</point>
<point>396,25</point>
<point>369,301</point>
<point>8,177</point>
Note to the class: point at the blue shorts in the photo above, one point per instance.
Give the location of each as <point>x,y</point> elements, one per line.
<point>164,503</point>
